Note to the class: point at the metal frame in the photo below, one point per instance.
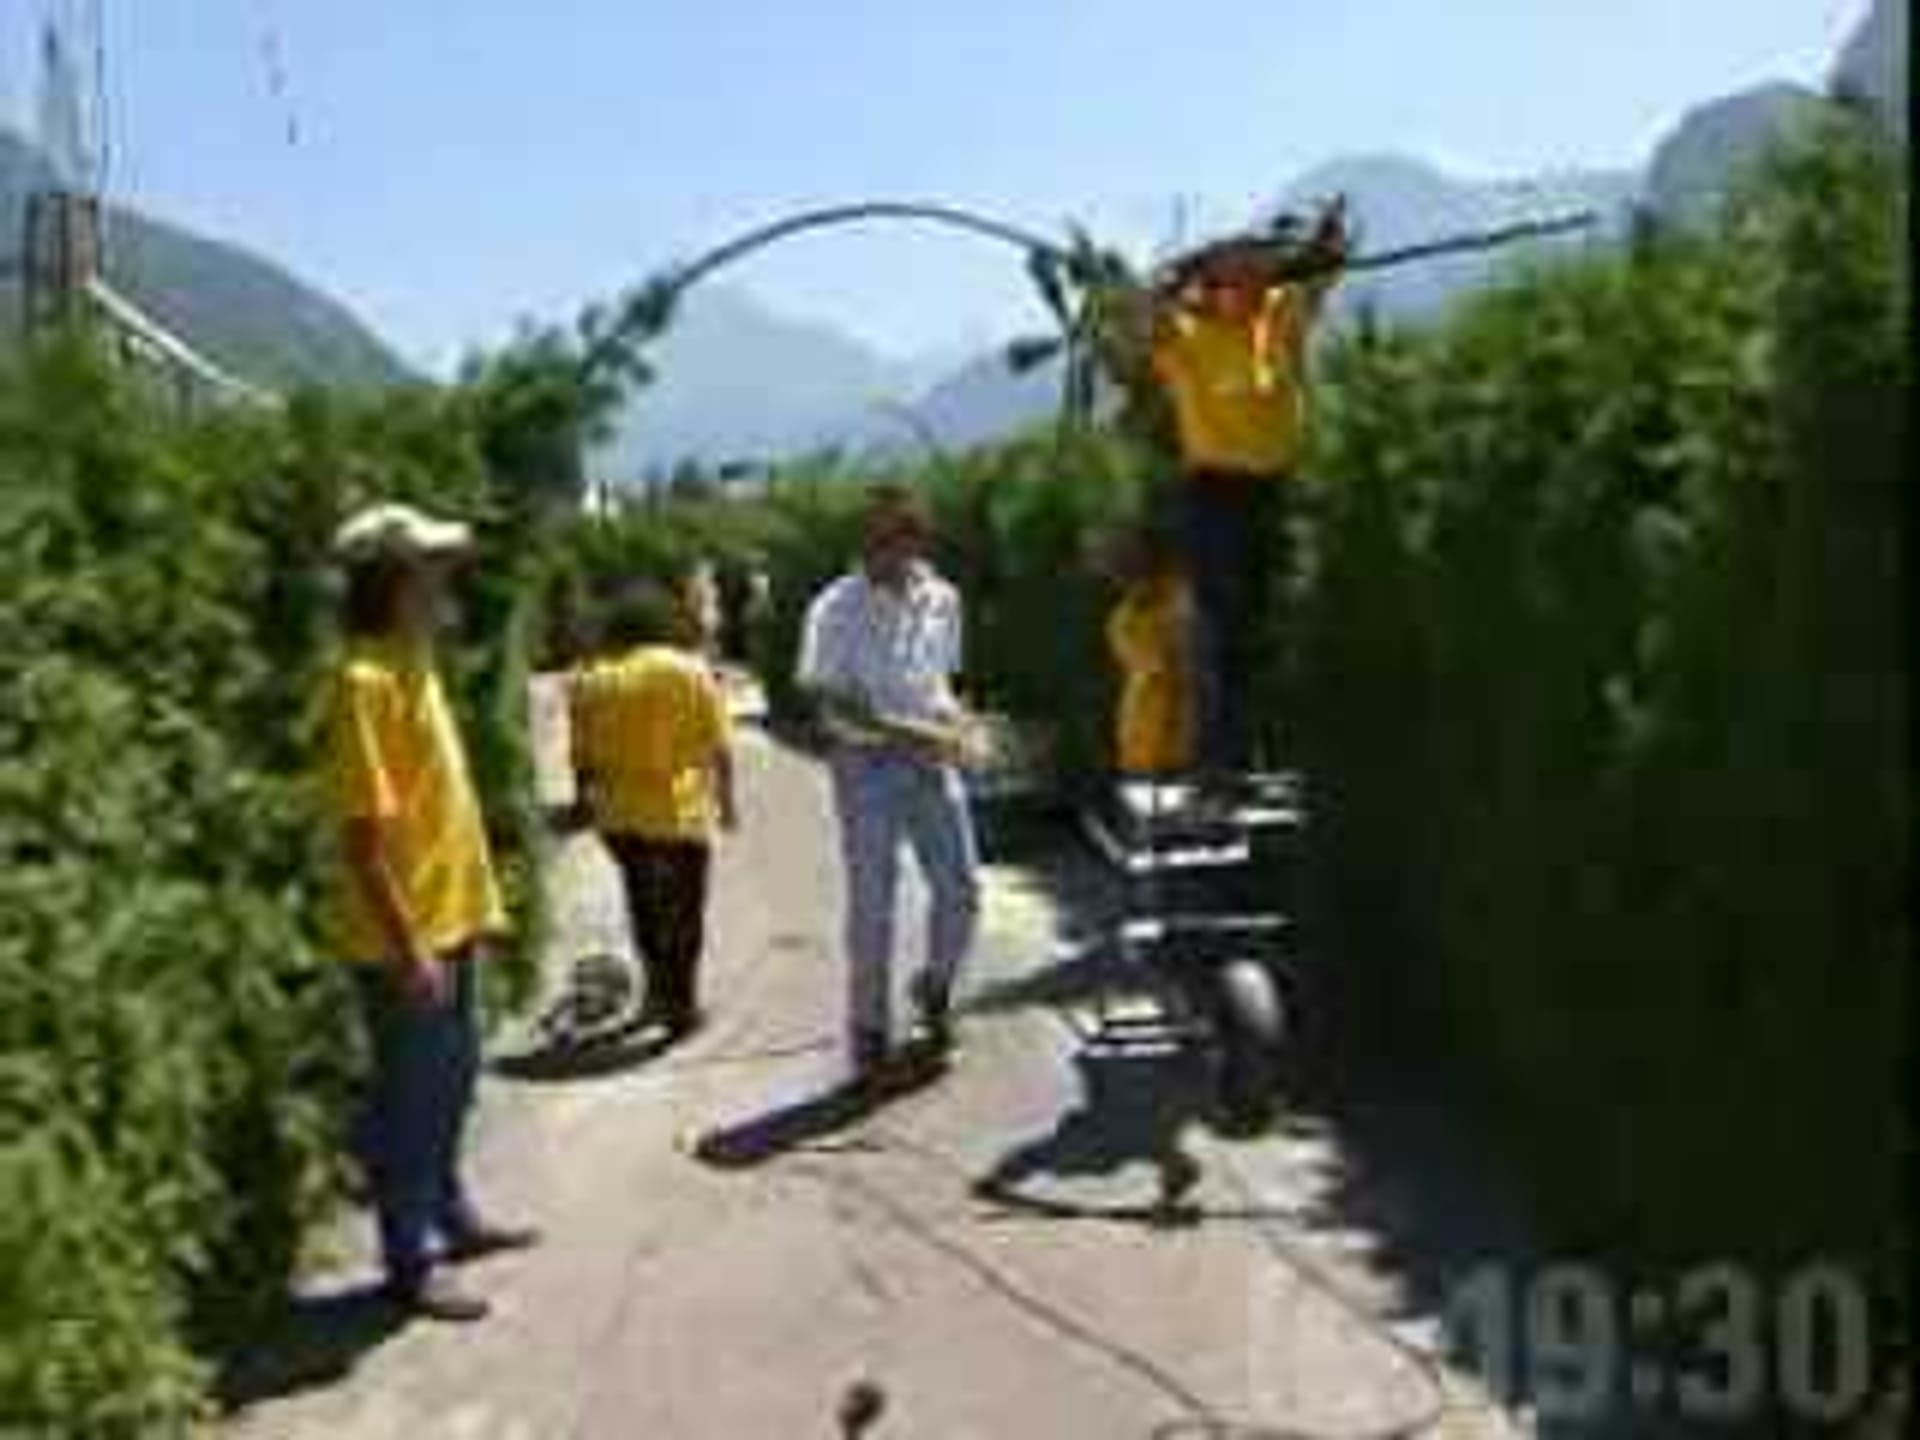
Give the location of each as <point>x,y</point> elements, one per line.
<point>1151,849</point>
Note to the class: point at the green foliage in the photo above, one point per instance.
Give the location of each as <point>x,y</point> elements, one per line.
<point>1603,673</point>
<point>175,1048</point>
<point>588,559</point>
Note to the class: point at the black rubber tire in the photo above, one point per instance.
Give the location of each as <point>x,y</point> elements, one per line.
<point>1252,1030</point>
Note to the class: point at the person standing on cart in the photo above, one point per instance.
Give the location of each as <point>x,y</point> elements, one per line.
<point>880,655</point>
<point>1226,339</point>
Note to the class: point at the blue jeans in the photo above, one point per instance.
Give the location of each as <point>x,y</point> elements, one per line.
<point>426,1067</point>
<point>884,800</point>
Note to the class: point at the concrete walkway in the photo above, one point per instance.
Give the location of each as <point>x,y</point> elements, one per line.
<point>675,1297</point>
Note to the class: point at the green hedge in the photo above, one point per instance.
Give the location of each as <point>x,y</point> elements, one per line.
<point>1605,658</point>
<point>588,558</point>
<point>175,1051</point>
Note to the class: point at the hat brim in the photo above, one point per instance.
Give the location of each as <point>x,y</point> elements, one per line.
<point>433,540</point>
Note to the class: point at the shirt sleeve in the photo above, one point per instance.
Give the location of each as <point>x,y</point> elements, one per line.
<point>822,662</point>
<point>953,655</point>
<point>359,769</point>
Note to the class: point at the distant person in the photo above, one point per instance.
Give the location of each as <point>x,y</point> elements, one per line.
<point>415,901</point>
<point>1150,634</point>
<point>756,627</point>
<point>703,612</point>
<point>653,759</point>
<point>1227,342</point>
<point>880,654</point>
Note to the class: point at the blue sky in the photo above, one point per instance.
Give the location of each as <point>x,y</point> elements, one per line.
<point>462,162</point>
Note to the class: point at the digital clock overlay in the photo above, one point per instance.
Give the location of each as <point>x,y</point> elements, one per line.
<point>1716,1344</point>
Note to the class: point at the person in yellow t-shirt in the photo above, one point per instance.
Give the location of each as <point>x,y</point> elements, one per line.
<point>652,750</point>
<point>414,897</point>
<point>1149,637</point>
<point>1228,349</point>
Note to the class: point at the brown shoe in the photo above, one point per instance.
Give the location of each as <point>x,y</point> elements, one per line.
<point>482,1240</point>
<point>437,1297</point>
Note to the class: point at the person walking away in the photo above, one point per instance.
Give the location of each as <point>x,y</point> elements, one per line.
<point>1149,634</point>
<point>880,655</point>
<point>652,747</point>
<point>1228,347</point>
<point>415,900</point>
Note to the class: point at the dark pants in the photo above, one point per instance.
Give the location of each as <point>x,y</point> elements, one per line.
<point>666,883</point>
<point>1237,549</point>
<point>426,1064</point>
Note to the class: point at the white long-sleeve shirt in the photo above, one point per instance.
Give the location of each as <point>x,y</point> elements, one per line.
<point>897,652</point>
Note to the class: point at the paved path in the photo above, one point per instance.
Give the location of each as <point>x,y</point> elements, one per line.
<point>676,1298</point>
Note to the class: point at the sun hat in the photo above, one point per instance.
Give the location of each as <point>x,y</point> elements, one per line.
<point>396,531</point>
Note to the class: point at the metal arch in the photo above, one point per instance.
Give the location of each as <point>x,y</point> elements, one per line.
<point>686,276</point>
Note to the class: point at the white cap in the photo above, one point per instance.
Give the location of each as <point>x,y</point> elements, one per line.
<point>399,532</point>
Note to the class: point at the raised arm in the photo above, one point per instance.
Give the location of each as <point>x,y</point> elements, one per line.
<point>1127,322</point>
<point>1328,248</point>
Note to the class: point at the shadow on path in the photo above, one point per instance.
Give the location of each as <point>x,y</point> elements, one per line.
<point>318,1342</point>
<point>556,1064</point>
<point>1133,1109</point>
<point>790,1127</point>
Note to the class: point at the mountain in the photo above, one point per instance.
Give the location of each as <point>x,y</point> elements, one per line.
<point>739,381</point>
<point>984,401</point>
<point>244,312</point>
<point>1873,65</point>
<point>1716,145</point>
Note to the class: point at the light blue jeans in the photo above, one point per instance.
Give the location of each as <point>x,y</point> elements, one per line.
<point>884,800</point>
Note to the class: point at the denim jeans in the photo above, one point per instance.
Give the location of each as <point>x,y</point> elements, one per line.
<point>884,801</point>
<point>1235,544</point>
<point>426,1066</point>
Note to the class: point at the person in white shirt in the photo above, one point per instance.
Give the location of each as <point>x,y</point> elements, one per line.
<point>879,655</point>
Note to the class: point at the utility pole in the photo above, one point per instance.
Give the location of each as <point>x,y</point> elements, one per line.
<point>61,252</point>
<point>62,257</point>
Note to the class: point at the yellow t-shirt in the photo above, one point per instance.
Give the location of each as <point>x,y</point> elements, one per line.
<point>647,729</point>
<point>1237,387</point>
<point>1153,728</point>
<point>394,755</point>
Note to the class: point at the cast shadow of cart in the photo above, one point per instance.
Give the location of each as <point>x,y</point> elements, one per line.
<point>1135,1112</point>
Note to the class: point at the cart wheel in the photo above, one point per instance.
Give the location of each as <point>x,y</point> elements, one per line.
<point>1252,1029</point>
